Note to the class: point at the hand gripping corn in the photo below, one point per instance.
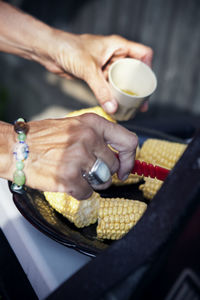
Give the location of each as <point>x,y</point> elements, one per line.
<point>117,216</point>
<point>81,213</point>
<point>133,178</point>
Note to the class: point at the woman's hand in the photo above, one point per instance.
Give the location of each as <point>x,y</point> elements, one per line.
<point>88,57</point>
<point>61,150</point>
<point>85,56</point>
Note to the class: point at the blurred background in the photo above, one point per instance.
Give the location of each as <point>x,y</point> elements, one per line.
<point>171,28</point>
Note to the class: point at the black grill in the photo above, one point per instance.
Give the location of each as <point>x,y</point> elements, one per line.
<point>147,261</point>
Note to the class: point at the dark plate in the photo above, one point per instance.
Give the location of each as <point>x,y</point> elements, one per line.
<point>33,206</point>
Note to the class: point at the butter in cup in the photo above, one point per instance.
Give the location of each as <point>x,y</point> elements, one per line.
<point>131,82</point>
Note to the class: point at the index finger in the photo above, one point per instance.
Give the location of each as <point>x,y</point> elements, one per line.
<point>121,139</point>
<point>125,142</point>
<point>141,52</point>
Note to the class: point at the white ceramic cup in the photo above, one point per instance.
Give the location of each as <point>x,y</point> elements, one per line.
<point>132,76</point>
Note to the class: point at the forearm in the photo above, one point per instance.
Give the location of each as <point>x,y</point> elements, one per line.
<point>21,34</point>
<point>87,57</point>
<point>7,141</point>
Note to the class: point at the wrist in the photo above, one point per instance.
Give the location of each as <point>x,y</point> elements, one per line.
<point>41,44</point>
<point>47,49</point>
<point>7,142</point>
<point>59,49</point>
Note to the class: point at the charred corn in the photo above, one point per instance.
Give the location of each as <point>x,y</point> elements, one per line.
<point>117,216</point>
<point>81,213</point>
<point>160,152</point>
<point>150,187</point>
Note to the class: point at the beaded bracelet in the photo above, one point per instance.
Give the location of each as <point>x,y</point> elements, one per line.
<point>21,154</point>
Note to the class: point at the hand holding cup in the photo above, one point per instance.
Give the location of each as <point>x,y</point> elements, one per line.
<point>132,82</point>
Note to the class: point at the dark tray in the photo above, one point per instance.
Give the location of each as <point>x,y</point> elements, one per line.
<point>33,206</point>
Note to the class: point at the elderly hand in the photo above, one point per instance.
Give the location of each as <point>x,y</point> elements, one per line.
<point>61,150</point>
<point>85,56</point>
<point>88,57</point>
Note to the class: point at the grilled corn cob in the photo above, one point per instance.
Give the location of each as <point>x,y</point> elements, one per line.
<point>117,216</point>
<point>96,110</point>
<point>160,152</point>
<point>150,187</point>
<point>132,178</point>
<point>81,213</point>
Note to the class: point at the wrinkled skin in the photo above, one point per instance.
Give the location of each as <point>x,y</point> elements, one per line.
<point>65,148</point>
<point>62,150</point>
<point>84,56</point>
<point>89,59</point>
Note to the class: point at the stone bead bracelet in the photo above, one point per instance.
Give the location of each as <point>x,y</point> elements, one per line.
<point>20,153</point>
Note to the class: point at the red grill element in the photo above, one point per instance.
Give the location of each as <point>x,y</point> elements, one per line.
<point>143,168</point>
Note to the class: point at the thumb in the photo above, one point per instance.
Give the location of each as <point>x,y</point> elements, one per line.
<point>101,89</point>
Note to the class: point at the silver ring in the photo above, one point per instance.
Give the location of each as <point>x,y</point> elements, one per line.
<point>99,174</point>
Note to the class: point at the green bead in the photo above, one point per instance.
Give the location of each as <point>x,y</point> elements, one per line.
<point>16,189</point>
<point>19,165</point>
<point>19,177</point>
<point>22,136</point>
<point>20,120</point>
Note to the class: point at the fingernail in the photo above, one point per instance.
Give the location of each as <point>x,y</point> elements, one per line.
<point>110,107</point>
<point>125,177</point>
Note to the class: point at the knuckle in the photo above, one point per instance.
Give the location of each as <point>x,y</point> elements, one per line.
<point>133,140</point>
<point>82,193</point>
<point>86,194</point>
<point>63,188</point>
<point>79,152</point>
<point>90,117</point>
<point>71,175</point>
<point>115,37</point>
<point>88,134</point>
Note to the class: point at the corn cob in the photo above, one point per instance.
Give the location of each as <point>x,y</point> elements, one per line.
<point>150,187</point>
<point>158,152</point>
<point>117,216</point>
<point>96,110</point>
<point>81,213</point>
<point>132,179</point>
<point>47,211</point>
<point>162,153</point>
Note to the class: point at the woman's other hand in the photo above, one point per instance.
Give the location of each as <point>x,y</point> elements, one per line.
<point>88,57</point>
<point>84,56</point>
